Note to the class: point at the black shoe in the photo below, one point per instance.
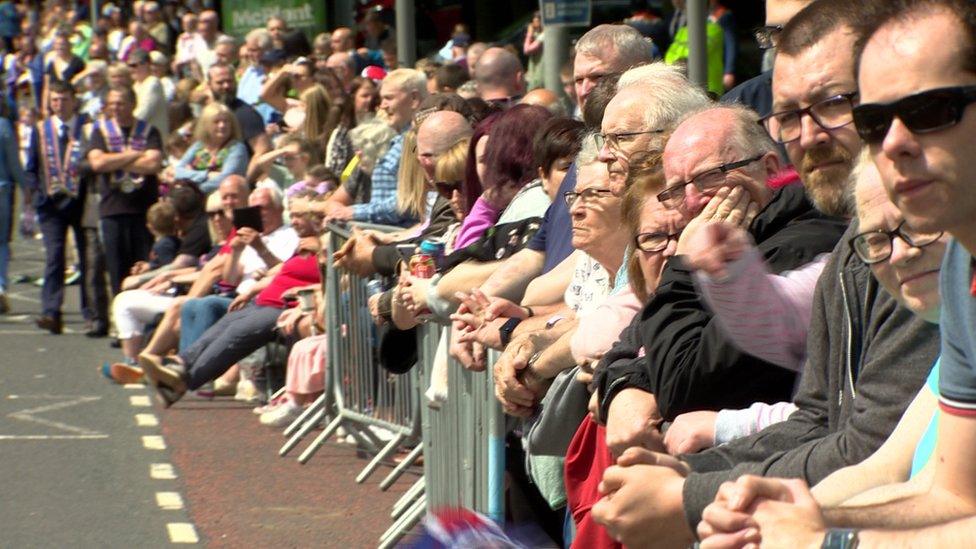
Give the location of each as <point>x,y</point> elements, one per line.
<point>50,324</point>
<point>97,330</point>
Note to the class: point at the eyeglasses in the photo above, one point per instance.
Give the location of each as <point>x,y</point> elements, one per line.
<point>875,246</point>
<point>831,113</point>
<point>708,179</point>
<point>446,188</point>
<point>928,111</point>
<point>654,242</point>
<point>216,213</point>
<point>585,194</point>
<point>613,140</point>
<point>766,35</point>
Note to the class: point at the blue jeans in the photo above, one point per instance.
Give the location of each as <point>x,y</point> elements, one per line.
<point>6,224</point>
<point>199,314</point>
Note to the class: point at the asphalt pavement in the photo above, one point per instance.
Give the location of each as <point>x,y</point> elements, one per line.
<point>87,463</point>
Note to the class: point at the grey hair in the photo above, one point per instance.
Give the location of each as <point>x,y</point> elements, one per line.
<point>227,39</point>
<point>748,134</point>
<point>261,36</point>
<point>274,195</point>
<point>671,96</point>
<point>629,46</point>
<point>408,80</point>
<point>588,153</point>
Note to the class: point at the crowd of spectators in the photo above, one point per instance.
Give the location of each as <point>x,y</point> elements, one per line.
<point>701,307</point>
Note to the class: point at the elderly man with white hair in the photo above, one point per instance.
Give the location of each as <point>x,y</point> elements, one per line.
<point>401,94</point>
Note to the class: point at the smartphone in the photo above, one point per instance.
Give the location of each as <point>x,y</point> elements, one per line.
<point>248,217</point>
<point>406,251</point>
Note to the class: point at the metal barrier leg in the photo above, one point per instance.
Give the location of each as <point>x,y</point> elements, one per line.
<point>402,526</point>
<point>403,465</point>
<point>313,408</point>
<point>306,429</point>
<point>384,453</point>
<point>408,497</point>
<point>319,440</point>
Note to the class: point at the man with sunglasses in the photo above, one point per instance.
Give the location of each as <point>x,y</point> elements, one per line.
<point>866,356</point>
<point>917,77</point>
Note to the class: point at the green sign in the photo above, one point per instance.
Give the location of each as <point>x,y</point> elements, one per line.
<point>240,16</point>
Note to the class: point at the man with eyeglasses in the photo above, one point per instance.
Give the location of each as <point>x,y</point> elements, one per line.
<point>861,344</point>
<point>917,77</point>
<point>716,165</point>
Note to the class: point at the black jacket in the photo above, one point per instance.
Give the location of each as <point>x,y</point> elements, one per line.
<point>385,258</point>
<point>867,357</point>
<point>689,362</point>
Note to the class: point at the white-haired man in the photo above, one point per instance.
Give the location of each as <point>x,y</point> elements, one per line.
<point>401,94</point>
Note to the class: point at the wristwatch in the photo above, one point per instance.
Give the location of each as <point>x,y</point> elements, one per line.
<point>840,538</point>
<point>505,332</point>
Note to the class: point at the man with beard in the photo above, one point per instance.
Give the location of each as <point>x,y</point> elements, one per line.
<point>867,356</point>
<point>223,88</point>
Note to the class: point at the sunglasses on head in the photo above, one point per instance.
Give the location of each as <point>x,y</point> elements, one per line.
<point>446,188</point>
<point>928,111</point>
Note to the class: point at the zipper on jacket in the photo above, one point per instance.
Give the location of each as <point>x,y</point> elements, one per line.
<point>850,339</point>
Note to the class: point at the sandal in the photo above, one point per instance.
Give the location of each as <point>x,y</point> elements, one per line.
<point>168,381</point>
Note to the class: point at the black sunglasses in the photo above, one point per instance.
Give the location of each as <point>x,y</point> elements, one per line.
<point>924,112</point>
<point>446,188</point>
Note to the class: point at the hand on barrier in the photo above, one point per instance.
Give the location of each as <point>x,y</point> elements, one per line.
<point>778,512</point>
<point>642,506</point>
<point>691,432</point>
<point>470,355</point>
<point>516,398</point>
<point>482,316</point>
<point>357,254</point>
<point>733,206</point>
<point>633,421</point>
<point>714,246</point>
<point>412,292</point>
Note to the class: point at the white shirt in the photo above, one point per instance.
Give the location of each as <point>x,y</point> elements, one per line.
<point>282,243</point>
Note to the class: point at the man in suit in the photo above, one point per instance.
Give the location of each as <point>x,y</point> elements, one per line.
<point>54,167</point>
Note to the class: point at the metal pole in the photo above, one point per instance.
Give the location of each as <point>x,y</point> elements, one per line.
<point>697,44</point>
<point>555,51</point>
<point>94,15</point>
<point>406,39</point>
<point>344,14</point>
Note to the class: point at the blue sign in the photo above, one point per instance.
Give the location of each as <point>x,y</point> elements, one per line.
<point>565,12</point>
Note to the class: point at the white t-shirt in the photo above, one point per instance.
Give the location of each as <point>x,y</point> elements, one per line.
<point>589,287</point>
<point>282,242</point>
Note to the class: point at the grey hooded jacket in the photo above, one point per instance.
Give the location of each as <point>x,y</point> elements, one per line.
<point>867,357</point>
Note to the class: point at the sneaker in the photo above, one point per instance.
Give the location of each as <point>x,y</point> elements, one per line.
<point>281,416</point>
<point>248,392</point>
<point>72,276</point>
<point>265,408</point>
<point>224,388</point>
<point>125,374</point>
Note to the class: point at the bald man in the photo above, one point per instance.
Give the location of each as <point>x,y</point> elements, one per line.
<point>341,40</point>
<point>499,76</point>
<point>343,64</point>
<point>547,99</point>
<point>437,134</point>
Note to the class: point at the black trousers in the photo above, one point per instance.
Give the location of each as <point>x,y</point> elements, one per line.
<point>127,240</point>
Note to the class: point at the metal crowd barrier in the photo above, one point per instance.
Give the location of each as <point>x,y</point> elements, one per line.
<point>464,439</point>
<point>360,395</point>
